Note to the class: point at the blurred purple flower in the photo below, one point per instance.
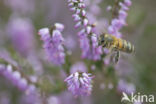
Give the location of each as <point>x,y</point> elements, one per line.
<point>109,8</point>
<point>93,15</point>
<point>70,43</point>
<point>21,31</point>
<point>124,68</point>
<point>93,6</point>
<point>120,21</point>
<point>137,102</point>
<point>78,67</point>
<point>18,6</point>
<point>16,78</point>
<point>85,46</point>
<point>53,43</point>
<point>2,68</point>
<point>128,88</point>
<point>107,61</point>
<point>5,98</point>
<point>53,100</point>
<point>33,98</point>
<point>80,84</point>
<point>96,50</point>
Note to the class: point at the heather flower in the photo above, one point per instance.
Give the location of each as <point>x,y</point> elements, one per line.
<point>126,87</point>
<point>16,78</point>
<point>80,84</point>
<point>59,26</point>
<point>21,32</point>
<point>13,73</point>
<point>120,21</point>
<point>96,51</point>
<point>53,43</point>
<point>88,46</point>
<point>85,46</point>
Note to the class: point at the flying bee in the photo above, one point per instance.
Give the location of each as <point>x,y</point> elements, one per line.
<point>115,44</point>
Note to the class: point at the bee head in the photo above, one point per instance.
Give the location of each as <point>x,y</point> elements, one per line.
<point>105,40</point>
<point>101,40</point>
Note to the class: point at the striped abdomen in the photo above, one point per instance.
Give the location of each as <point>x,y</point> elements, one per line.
<point>125,46</point>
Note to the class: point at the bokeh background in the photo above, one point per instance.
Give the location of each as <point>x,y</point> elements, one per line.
<point>138,69</point>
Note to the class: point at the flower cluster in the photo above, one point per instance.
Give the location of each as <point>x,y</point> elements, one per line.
<point>120,21</point>
<point>16,78</point>
<point>79,84</point>
<point>87,37</point>
<point>53,43</point>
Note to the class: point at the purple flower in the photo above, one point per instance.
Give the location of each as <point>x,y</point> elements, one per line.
<point>80,84</point>
<point>107,61</point>
<point>21,32</point>
<point>16,78</point>
<point>109,8</point>
<point>128,88</point>
<point>128,2</point>
<point>96,51</point>
<point>59,26</point>
<point>88,46</point>
<point>85,46</point>
<point>120,21</point>
<point>70,43</point>
<point>2,68</point>
<point>53,43</point>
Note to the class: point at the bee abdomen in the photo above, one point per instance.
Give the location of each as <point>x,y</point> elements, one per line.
<point>125,46</point>
<point>128,47</point>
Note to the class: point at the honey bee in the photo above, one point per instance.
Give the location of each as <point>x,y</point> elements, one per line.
<point>115,44</point>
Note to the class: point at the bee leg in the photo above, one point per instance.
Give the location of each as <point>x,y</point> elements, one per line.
<point>113,54</point>
<point>117,55</point>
